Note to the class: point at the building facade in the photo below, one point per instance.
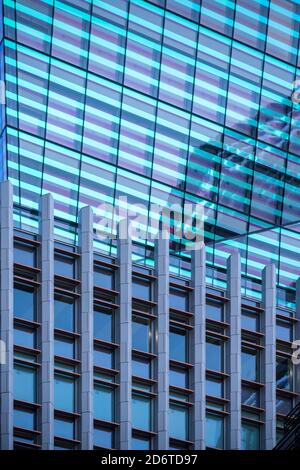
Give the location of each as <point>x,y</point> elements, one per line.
<point>164,102</point>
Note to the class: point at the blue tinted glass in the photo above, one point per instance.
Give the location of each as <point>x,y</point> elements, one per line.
<point>178,378</point>
<point>250,396</point>
<point>140,443</point>
<point>141,289</point>
<point>25,383</point>
<point>178,422</point>
<point>250,437</point>
<point>178,347</point>
<point>214,431</point>
<point>103,438</point>
<point>283,331</point>
<point>64,266</point>
<point>141,335</point>
<point>214,355</point>
<point>64,428</point>
<point>25,337</point>
<point>249,365</point>
<point>64,347</point>
<point>104,358</point>
<point>103,325</point>
<point>104,278</point>
<point>214,388</point>
<point>284,375</point>
<point>178,299</point>
<point>24,254</point>
<point>141,413</point>
<point>24,303</point>
<point>64,393</point>
<point>250,321</point>
<point>103,403</point>
<point>214,310</point>
<point>64,313</point>
<point>141,367</point>
<point>25,418</point>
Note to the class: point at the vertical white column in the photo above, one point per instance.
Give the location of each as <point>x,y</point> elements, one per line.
<point>234,358</point>
<point>125,330</point>
<point>162,273</point>
<point>6,319</point>
<point>86,276</point>
<point>47,321</point>
<point>297,338</point>
<point>199,345</point>
<point>269,355</point>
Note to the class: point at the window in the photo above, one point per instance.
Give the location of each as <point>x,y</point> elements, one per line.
<point>214,388</point>
<point>215,311</point>
<point>141,443</point>
<point>141,334</point>
<point>25,418</point>
<point>64,347</point>
<point>104,357</point>
<point>25,337</point>
<point>284,330</point>
<point>178,377</point>
<point>284,377</point>
<point>178,345</point>
<point>104,277</point>
<point>64,427</point>
<point>215,354</point>
<point>25,383</point>
<point>179,421</point>
<point>64,266</point>
<point>141,412</point>
<point>283,405</point>
<point>64,393</point>
<point>250,396</point>
<point>64,313</point>
<point>179,299</point>
<point>103,403</point>
<point>24,254</point>
<point>214,431</point>
<point>25,302</point>
<point>103,437</point>
<point>250,320</point>
<point>141,289</point>
<point>103,325</point>
<point>141,367</point>
<point>250,439</point>
<point>250,364</point>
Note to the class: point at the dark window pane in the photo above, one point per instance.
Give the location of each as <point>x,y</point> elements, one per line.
<point>179,299</point>
<point>141,412</point>
<point>250,320</point>
<point>284,377</point>
<point>250,436</point>
<point>284,330</point>
<point>250,396</point>
<point>64,317</point>
<point>178,345</point>
<point>250,365</point>
<point>25,302</point>
<point>24,254</point>
<point>283,405</point>
<point>103,325</point>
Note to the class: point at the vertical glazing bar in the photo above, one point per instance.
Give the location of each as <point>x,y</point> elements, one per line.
<point>47,320</point>
<point>86,319</point>
<point>162,273</point>
<point>198,346</point>
<point>269,355</point>
<point>125,289</point>
<point>234,350</point>
<point>6,320</point>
